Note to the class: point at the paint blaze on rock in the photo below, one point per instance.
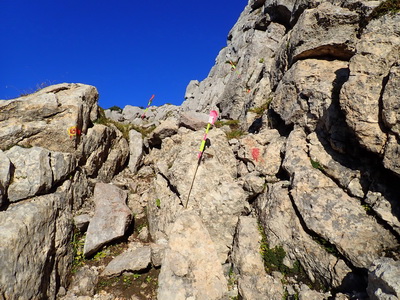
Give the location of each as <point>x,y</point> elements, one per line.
<point>255,153</point>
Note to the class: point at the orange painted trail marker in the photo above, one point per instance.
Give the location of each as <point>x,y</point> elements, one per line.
<point>72,131</point>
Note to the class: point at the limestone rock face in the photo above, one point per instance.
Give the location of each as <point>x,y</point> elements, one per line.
<point>338,218</point>
<point>277,214</point>
<point>215,195</point>
<point>361,96</point>
<point>191,267</point>
<point>324,31</point>
<point>304,95</point>
<point>304,166</point>
<point>250,266</point>
<point>240,69</point>
<point>263,150</point>
<point>26,228</point>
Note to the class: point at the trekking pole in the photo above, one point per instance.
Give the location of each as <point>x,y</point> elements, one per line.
<point>213,117</point>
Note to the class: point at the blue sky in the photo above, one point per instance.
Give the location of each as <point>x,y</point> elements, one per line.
<point>129,50</point>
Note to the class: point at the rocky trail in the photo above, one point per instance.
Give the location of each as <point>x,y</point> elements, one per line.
<point>296,195</point>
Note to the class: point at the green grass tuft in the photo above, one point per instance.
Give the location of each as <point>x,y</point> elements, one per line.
<point>122,127</point>
<point>261,109</point>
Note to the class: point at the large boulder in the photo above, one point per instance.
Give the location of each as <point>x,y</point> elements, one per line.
<point>46,117</point>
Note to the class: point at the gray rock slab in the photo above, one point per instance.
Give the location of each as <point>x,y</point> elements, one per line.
<point>129,261</point>
<point>81,222</point>
<point>135,150</point>
<point>111,219</point>
<point>193,120</point>
<point>32,173</point>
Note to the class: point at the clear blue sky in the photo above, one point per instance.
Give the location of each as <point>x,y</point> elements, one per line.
<point>128,49</point>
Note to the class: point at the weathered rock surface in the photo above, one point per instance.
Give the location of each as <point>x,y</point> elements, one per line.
<point>43,118</point>
<point>383,280</point>
<point>376,53</point>
<point>304,94</point>
<point>129,261</point>
<point>263,150</point>
<point>253,281</point>
<point>191,267</point>
<point>36,170</point>
<point>5,176</point>
<point>277,215</point>
<point>166,129</point>
<point>325,31</point>
<point>84,283</point>
<point>111,218</point>
<point>215,195</point>
<point>193,120</point>
<point>313,88</point>
<point>28,273</point>
<point>339,219</point>
<point>135,150</point>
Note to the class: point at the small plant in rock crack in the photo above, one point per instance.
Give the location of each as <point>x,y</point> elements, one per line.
<point>78,241</point>
<point>316,165</point>
<point>232,280</point>
<point>158,203</point>
<point>259,110</point>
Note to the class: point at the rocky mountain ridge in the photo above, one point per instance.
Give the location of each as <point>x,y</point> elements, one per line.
<point>295,197</point>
